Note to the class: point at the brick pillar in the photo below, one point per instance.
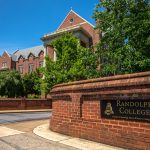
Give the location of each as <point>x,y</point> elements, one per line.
<point>76,105</point>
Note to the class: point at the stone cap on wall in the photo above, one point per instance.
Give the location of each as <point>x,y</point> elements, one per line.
<point>137,83</point>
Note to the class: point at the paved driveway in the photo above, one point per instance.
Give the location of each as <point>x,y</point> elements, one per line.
<point>12,137</point>
<point>17,117</point>
<point>20,136</point>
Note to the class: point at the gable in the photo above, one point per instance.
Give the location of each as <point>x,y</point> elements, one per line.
<point>5,54</point>
<point>20,58</point>
<point>41,54</point>
<point>31,55</point>
<point>71,19</point>
<point>34,51</point>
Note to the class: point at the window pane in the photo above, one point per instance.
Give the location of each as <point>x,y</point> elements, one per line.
<point>41,64</point>
<point>30,68</point>
<point>4,64</point>
<point>20,69</point>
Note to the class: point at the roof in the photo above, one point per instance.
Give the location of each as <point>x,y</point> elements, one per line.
<point>5,52</point>
<point>57,32</point>
<point>78,16</point>
<point>26,52</point>
<point>68,29</point>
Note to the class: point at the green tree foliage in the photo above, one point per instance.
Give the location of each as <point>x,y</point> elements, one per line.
<point>125,28</point>
<point>32,83</point>
<point>73,62</point>
<point>11,84</point>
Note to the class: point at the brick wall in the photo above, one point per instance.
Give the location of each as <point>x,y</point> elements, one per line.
<point>50,52</point>
<point>24,104</point>
<point>76,20</point>
<point>5,58</point>
<point>84,24</point>
<point>94,33</point>
<point>77,110</point>
<point>31,60</point>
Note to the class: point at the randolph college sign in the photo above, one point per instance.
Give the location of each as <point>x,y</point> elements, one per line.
<point>138,110</point>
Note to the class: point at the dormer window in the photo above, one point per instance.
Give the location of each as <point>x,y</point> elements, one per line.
<point>20,58</point>
<point>41,54</point>
<point>30,55</point>
<point>41,64</point>
<point>71,20</point>
<point>20,69</point>
<point>30,70</point>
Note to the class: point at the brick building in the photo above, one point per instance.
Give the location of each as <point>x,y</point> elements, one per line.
<point>6,61</point>
<point>27,60</point>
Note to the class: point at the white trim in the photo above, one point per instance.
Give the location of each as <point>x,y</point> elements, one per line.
<point>40,52</point>
<point>45,53</point>
<point>20,57</point>
<point>63,30</point>
<point>31,54</point>
<point>78,16</point>
<point>64,19</point>
<point>83,19</point>
<point>68,29</point>
<point>7,53</point>
<point>55,57</point>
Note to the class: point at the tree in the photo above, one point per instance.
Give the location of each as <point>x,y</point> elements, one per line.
<point>11,84</point>
<point>32,83</point>
<point>73,62</point>
<point>125,44</point>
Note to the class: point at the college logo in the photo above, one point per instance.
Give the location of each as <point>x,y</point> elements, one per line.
<point>109,110</point>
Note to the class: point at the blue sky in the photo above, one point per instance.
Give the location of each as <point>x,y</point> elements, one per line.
<point>24,22</point>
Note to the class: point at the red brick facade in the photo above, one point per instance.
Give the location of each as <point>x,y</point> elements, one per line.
<point>6,62</point>
<point>84,24</point>
<point>81,28</point>
<point>76,20</point>
<point>24,104</point>
<point>50,52</point>
<point>27,60</point>
<point>77,110</point>
<point>35,61</point>
<point>23,61</point>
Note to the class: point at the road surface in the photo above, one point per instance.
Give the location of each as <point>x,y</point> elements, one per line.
<point>18,117</point>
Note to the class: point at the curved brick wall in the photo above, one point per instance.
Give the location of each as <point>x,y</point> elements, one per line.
<point>77,110</point>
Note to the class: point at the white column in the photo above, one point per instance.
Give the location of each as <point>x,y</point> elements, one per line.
<point>55,57</point>
<point>45,53</point>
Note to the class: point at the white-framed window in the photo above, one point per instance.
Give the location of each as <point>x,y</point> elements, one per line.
<point>20,69</point>
<point>41,64</point>
<point>30,68</point>
<point>71,20</point>
<point>4,64</point>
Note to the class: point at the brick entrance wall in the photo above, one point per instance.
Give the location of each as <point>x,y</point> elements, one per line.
<point>77,110</point>
<point>24,104</point>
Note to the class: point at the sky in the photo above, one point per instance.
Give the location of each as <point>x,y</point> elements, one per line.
<point>24,22</point>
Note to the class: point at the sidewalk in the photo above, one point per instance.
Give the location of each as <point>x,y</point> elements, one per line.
<point>20,136</point>
<point>43,131</point>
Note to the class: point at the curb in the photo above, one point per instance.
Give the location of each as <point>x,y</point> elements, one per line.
<point>82,144</point>
<point>25,111</point>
